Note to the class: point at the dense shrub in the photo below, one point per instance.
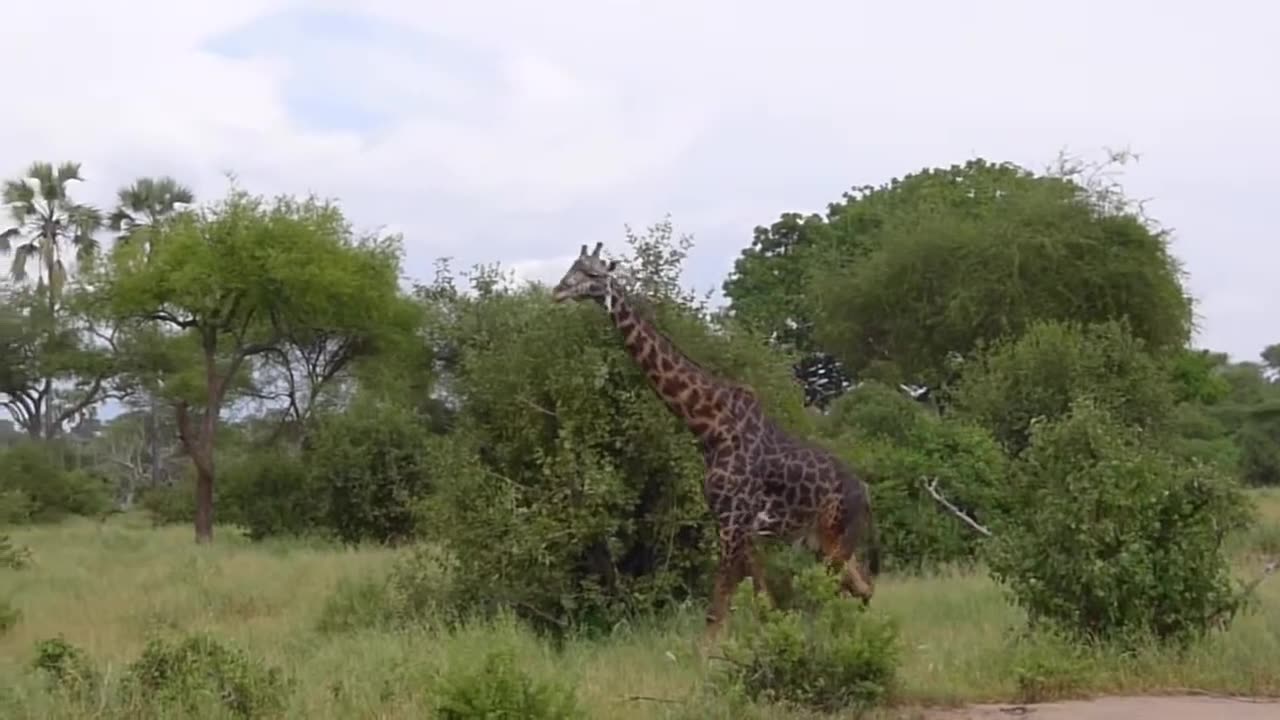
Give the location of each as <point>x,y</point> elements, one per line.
<point>175,504</point>
<point>574,494</point>
<point>1040,373</point>
<point>270,493</point>
<point>191,675</point>
<point>37,487</point>
<point>498,688</point>
<point>9,616</point>
<point>371,462</point>
<point>13,556</point>
<point>1260,447</point>
<point>171,504</point>
<point>894,444</point>
<point>826,652</point>
<point>66,666</point>
<point>1123,541</point>
<point>16,507</point>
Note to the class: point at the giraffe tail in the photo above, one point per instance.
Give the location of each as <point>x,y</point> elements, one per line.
<point>873,544</point>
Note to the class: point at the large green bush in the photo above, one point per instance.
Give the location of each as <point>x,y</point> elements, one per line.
<point>574,494</point>
<point>198,674</point>
<point>1116,538</point>
<point>270,493</point>
<point>1041,372</point>
<point>1259,441</point>
<point>36,486</point>
<point>371,462</point>
<point>894,444</point>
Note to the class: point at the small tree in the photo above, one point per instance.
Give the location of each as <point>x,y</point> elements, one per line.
<point>1117,539</point>
<point>237,279</point>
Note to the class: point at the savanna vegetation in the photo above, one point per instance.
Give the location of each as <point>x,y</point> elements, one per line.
<point>329,492</point>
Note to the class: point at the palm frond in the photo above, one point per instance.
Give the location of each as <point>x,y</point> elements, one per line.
<point>86,248</point>
<point>6,238</point>
<point>21,253</point>
<point>18,191</point>
<point>85,219</point>
<point>67,172</point>
<point>120,220</point>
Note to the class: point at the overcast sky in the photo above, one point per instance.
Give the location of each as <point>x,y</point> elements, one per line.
<point>516,131</point>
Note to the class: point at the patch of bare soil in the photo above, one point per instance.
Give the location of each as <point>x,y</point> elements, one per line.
<point>1176,707</point>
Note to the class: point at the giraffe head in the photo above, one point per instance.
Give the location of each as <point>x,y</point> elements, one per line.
<point>587,278</point>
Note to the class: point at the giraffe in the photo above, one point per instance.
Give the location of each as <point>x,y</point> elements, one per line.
<point>759,481</point>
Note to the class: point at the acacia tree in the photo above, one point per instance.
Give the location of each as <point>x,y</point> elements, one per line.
<point>896,281</point>
<point>141,209</point>
<point>237,279</point>
<point>981,259</point>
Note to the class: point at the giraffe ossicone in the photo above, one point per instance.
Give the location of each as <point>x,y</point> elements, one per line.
<point>759,481</point>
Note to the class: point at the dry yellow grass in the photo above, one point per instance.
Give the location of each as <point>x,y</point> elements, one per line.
<point>108,587</point>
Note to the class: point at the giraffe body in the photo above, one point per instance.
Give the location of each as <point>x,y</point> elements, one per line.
<point>760,481</point>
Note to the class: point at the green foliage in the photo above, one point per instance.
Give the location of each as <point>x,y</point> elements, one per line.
<point>830,653</point>
<point>356,604</point>
<point>16,507</point>
<point>498,689</point>
<point>574,494</point>
<point>980,252</point>
<point>1123,540</point>
<point>13,557</point>
<point>1040,373</point>
<point>35,486</point>
<point>271,493</point>
<point>66,666</point>
<point>199,671</point>
<point>170,504</point>
<point>372,462</point>
<point>9,616</point>
<point>243,281</point>
<point>1198,434</point>
<point>1051,666</point>
<point>1259,441</point>
<point>895,444</point>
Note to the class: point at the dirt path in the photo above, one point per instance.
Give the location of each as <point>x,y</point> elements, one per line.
<point>1180,707</point>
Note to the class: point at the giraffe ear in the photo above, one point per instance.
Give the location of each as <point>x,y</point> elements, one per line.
<point>612,265</point>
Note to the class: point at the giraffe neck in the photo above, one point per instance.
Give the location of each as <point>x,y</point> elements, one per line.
<point>686,388</point>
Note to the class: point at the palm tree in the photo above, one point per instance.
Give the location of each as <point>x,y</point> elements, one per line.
<point>45,218</point>
<point>142,207</point>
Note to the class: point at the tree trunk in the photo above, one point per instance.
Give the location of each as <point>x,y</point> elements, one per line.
<point>198,442</point>
<point>204,503</point>
<point>153,440</point>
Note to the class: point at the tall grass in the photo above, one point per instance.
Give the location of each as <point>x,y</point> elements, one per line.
<point>109,587</point>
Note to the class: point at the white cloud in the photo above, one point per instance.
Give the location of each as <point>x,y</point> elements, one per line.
<point>517,130</point>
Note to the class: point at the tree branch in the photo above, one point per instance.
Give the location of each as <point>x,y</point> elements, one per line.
<point>931,486</point>
<point>162,316</point>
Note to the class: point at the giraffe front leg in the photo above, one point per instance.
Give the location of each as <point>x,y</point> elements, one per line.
<point>758,569</point>
<point>734,550</point>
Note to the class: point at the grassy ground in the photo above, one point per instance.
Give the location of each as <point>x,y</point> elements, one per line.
<point>109,587</point>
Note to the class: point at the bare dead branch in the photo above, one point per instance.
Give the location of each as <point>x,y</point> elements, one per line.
<point>536,406</point>
<point>931,486</point>
<point>647,698</point>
